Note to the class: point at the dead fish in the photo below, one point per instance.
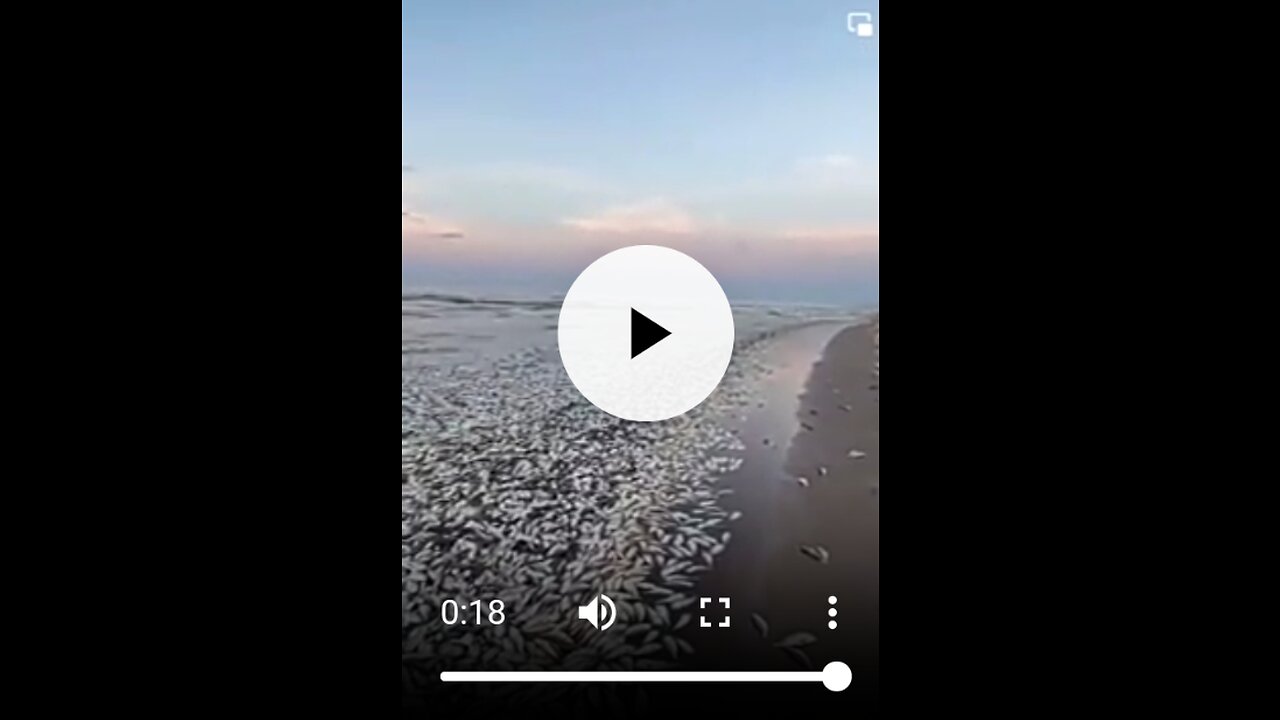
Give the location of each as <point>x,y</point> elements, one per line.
<point>846,408</point>
<point>799,657</point>
<point>765,441</point>
<point>817,552</point>
<point>806,426</point>
<point>857,454</point>
<point>822,470</point>
<point>761,625</point>
<point>802,481</point>
<point>796,640</point>
<point>684,620</point>
<point>812,411</point>
<point>734,515</point>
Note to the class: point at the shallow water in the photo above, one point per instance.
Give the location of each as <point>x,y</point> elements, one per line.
<point>443,330</point>
<point>763,556</point>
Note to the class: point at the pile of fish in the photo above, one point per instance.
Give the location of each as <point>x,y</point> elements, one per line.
<point>515,488</point>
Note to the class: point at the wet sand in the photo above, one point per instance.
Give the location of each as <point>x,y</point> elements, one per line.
<point>821,402</point>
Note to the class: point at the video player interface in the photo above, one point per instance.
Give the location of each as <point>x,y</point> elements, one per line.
<point>640,354</point>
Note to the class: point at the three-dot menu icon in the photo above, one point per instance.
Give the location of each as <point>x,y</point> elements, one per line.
<point>832,612</point>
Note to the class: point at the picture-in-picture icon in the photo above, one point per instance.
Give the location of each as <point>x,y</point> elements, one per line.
<point>860,24</point>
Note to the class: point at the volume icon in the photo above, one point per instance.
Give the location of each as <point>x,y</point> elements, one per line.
<point>594,613</point>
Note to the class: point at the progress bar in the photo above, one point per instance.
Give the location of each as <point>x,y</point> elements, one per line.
<point>836,676</point>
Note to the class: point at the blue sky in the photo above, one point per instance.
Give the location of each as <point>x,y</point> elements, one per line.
<point>538,135</point>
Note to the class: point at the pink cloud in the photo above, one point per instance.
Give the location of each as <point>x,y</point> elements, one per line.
<point>655,215</point>
<point>855,238</point>
<point>414,225</point>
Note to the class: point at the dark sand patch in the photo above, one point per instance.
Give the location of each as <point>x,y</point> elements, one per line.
<point>815,371</point>
<point>842,514</point>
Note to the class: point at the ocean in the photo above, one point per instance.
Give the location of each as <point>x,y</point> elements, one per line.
<point>445,330</point>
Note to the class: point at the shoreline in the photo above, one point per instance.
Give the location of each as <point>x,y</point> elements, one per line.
<point>819,404</point>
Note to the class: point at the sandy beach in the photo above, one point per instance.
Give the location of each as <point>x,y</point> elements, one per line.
<point>810,479</point>
<point>517,488</point>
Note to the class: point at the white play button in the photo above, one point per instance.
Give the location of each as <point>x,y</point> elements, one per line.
<point>645,333</point>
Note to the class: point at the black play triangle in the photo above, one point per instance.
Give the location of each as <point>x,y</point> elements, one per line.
<point>645,333</point>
